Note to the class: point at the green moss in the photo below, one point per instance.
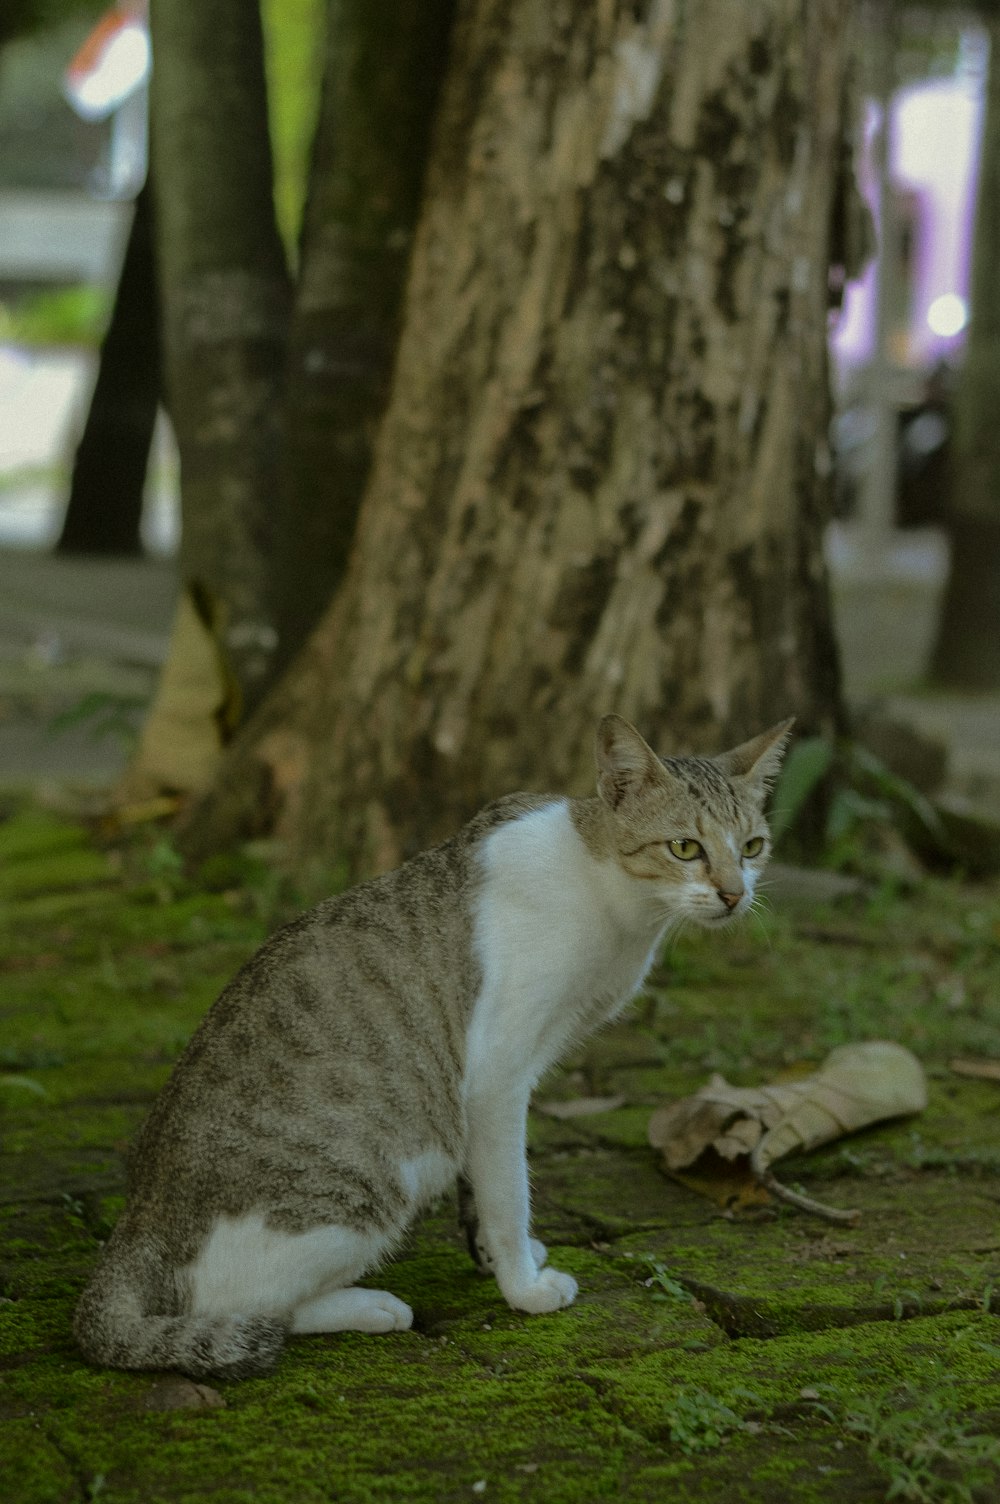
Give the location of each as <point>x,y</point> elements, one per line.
<point>35,833</point>
<point>765,1378</point>
<point>39,854</point>
<point>740,1395</point>
<point>36,1468</point>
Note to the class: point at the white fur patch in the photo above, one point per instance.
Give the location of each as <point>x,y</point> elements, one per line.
<point>564,940</point>
<point>427,1176</point>
<point>245,1266</point>
<point>561,937</point>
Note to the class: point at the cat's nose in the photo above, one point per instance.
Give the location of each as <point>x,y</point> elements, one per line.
<point>730,899</point>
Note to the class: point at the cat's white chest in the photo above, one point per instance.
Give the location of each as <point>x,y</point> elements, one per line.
<point>560,944</point>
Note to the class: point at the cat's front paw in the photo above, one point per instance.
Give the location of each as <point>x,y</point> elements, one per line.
<point>484,1259</point>
<point>550,1291</point>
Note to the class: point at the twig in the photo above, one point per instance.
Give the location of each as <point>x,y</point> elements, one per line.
<point>803,1202</point>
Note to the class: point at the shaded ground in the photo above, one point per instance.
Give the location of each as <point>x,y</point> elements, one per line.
<point>707,1358</point>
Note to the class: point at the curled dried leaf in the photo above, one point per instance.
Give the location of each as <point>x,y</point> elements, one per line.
<point>857,1084</point>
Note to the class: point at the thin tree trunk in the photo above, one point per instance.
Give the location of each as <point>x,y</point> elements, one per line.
<point>226,303</point>
<point>384,65</point>
<point>967,653</point>
<point>600,483</point>
<point>109,471</point>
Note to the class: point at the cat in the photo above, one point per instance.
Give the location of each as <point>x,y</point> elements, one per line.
<point>388,1040</point>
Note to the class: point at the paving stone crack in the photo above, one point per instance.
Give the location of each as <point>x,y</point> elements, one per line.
<point>595,1229</point>
<point>82,1479</point>
<point>741,1316</point>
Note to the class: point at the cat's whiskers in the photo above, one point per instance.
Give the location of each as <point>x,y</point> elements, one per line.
<point>754,912</point>
<point>672,933</point>
<point>673,922</point>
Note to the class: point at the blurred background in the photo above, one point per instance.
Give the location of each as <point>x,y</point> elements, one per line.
<point>87,593</point>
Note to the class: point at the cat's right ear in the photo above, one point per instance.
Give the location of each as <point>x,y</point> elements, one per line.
<point>624,762</point>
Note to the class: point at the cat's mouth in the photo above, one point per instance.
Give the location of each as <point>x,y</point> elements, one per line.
<point>720,918</point>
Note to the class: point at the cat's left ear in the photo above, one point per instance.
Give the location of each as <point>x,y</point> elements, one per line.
<point>759,759</point>
<point>625,764</point>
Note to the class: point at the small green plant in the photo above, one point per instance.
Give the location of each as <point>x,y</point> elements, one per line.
<point>22,1083</point>
<point>698,1422</point>
<point>162,865</point>
<point>106,716</point>
<point>75,1212</point>
<point>807,764</point>
<point>904,1302</point>
<point>663,1284</point>
<point>857,794</point>
<point>30,1058</point>
<point>924,1446</point>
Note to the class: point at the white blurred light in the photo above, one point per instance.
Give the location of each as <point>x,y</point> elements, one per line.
<point>947,315</point>
<point>101,83</point>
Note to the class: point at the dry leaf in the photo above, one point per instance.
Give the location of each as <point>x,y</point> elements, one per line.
<point>729,1183</point>
<point>144,812</point>
<point>857,1084</point>
<point>984,1070</point>
<point>579,1107</point>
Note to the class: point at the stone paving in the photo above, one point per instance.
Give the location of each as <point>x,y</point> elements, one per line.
<point>719,1352</point>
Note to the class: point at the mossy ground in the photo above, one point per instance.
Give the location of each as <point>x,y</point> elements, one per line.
<point>707,1358</point>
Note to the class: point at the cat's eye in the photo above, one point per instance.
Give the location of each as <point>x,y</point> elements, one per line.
<point>685,850</point>
<point>754,846</point>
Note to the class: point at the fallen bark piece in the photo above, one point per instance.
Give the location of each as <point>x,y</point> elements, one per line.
<point>180,746</point>
<point>174,1392</point>
<point>856,1085</point>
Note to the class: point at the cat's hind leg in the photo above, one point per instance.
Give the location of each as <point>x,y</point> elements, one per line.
<point>352,1310</point>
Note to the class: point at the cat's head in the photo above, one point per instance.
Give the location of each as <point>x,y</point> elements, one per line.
<point>693,828</point>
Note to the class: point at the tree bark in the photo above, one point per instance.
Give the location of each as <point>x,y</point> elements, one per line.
<point>384,64</point>
<point>226,301</point>
<point>967,652</point>
<point>600,482</point>
<point>104,510</point>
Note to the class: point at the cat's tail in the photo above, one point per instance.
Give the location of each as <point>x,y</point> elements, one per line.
<point>115,1330</point>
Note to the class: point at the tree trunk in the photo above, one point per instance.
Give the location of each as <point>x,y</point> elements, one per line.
<point>967,653</point>
<point>225,304</point>
<point>109,471</point>
<point>384,64</point>
<point>600,482</point>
